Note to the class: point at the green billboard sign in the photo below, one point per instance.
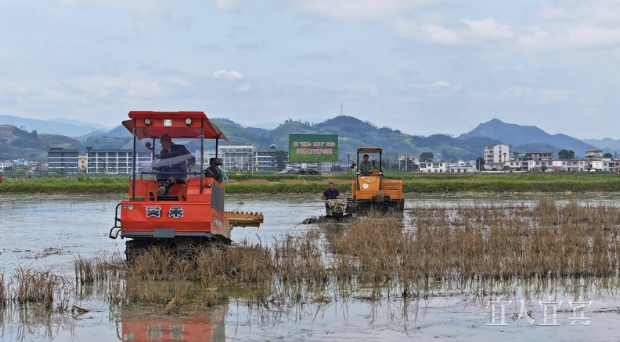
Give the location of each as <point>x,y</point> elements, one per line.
<point>313,148</point>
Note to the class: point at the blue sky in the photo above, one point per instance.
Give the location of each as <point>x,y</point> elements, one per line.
<point>420,66</point>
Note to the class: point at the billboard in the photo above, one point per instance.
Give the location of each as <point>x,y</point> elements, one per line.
<point>313,148</point>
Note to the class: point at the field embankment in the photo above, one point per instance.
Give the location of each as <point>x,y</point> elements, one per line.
<point>269,183</point>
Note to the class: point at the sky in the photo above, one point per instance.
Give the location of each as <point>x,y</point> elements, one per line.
<point>420,66</point>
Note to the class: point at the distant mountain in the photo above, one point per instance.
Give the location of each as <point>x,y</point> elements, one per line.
<point>607,145</point>
<point>55,140</point>
<point>91,135</point>
<point>256,130</point>
<point>352,133</point>
<point>519,137</point>
<point>81,123</point>
<point>71,128</point>
<point>253,130</point>
<point>16,143</point>
<point>601,143</point>
<point>118,132</point>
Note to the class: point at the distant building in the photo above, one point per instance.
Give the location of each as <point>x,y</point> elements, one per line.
<point>498,153</point>
<point>603,165</point>
<point>434,167</point>
<point>82,164</point>
<point>237,157</point>
<point>514,165</point>
<point>460,167</point>
<point>6,165</point>
<point>494,166</point>
<point>594,153</point>
<point>569,165</point>
<point>113,161</point>
<point>242,157</point>
<point>266,159</point>
<point>64,161</point>
<point>20,162</point>
<point>535,160</point>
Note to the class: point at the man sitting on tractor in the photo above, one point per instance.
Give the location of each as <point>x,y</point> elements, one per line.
<point>174,170</point>
<point>366,167</point>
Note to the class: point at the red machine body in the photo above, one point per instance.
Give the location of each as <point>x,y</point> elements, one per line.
<point>192,210</point>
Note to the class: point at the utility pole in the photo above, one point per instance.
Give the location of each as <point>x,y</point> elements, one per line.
<point>348,162</point>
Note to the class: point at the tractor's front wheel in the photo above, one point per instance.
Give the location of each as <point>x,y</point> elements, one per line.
<point>134,248</point>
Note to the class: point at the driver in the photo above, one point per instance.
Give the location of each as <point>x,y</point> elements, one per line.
<point>175,161</point>
<point>366,168</point>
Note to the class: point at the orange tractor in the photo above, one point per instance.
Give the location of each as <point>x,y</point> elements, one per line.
<point>173,201</point>
<point>371,190</point>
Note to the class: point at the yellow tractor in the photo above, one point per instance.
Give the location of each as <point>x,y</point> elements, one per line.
<point>371,190</point>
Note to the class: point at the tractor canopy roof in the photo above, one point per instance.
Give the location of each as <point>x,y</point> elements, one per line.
<point>150,124</point>
<point>369,150</point>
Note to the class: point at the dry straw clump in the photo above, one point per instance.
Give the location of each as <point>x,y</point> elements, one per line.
<point>464,243</point>
<point>465,247</point>
<point>28,286</point>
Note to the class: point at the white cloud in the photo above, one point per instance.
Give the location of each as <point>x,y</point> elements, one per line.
<point>233,74</point>
<point>532,96</point>
<point>226,4</point>
<point>546,96</point>
<point>363,8</point>
<point>588,24</point>
<point>245,87</point>
<point>435,30</point>
<point>316,56</point>
<point>488,28</point>
<point>438,84</point>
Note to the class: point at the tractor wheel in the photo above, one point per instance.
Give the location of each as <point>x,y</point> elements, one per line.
<point>134,248</point>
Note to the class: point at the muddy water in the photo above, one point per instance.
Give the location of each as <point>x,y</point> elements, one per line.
<point>48,232</point>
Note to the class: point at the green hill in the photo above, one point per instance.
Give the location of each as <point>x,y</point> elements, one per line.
<point>15,144</point>
<point>352,133</point>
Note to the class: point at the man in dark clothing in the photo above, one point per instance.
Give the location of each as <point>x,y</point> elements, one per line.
<point>174,163</point>
<point>330,193</point>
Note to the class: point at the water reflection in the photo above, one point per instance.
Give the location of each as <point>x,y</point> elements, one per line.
<point>206,326</point>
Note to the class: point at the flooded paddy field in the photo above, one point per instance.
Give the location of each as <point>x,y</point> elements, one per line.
<point>50,233</point>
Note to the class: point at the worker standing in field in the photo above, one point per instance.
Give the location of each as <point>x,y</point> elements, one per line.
<point>330,193</point>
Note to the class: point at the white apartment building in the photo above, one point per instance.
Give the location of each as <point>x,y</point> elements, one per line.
<point>112,161</point>
<point>603,165</point>
<point>514,164</point>
<point>497,153</point>
<point>6,165</point>
<point>537,165</point>
<point>237,157</point>
<point>569,165</point>
<point>433,167</point>
<point>535,160</point>
<point>461,167</point>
